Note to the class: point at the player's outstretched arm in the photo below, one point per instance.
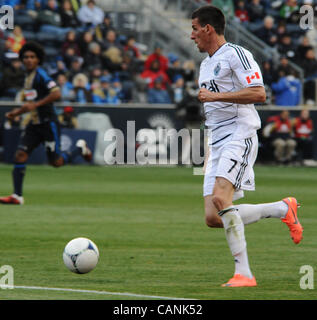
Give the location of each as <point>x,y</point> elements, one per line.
<point>248,95</point>
<point>29,106</point>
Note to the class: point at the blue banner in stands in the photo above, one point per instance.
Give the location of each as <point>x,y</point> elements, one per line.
<point>38,156</point>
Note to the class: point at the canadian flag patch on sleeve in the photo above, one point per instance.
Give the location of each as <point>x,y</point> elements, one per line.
<point>254,76</point>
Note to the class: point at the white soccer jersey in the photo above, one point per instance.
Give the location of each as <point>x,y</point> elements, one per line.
<point>230,69</point>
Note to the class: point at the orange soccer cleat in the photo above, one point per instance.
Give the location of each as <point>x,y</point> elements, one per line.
<point>291,220</point>
<point>239,280</point>
<point>13,199</point>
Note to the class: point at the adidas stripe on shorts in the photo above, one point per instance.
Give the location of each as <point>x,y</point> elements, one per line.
<point>234,161</point>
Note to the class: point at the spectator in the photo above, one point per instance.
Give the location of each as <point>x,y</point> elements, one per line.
<point>128,71</point>
<point>312,35</point>
<point>153,73</point>
<point>117,87</point>
<point>189,70</point>
<point>112,59</point>
<point>17,39</point>
<point>255,11</point>
<point>286,47</point>
<point>69,56</point>
<point>103,28</point>
<point>12,79</point>
<point>66,87</point>
<point>82,93</point>
<point>282,66</point>
<point>71,41</point>
<point>303,126</point>
<point>35,5</point>
<point>131,49</point>
<point>267,73</point>
<point>90,15</point>
<point>189,108</point>
<point>50,19</point>
<point>111,40</point>
<point>174,67</point>
<point>157,55</point>
<point>289,11</point>
<point>157,94</point>
<point>241,12</point>
<point>283,142</point>
<point>287,90</point>
<point>68,15</point>
<point>67,118</point>
<point>93,58</point>
<point>267,32</point>
<point>85,39</point>
<point>178,89</point>
<point>309,64</point>
<point>281,30</point>
<point>7,53</point>
<point>55,67</point>
<point>226,6</point>
<point>268,79</point>
<point>16,4</point>
<point>95,74</point>
<point>302,49</point>
<point>75,68</point>
<point>104,93</point>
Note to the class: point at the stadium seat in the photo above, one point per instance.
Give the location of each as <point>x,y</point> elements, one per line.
<point>26,22</point>
<point>47,39</point>
<point>51,52</point>
<point>29,35</point>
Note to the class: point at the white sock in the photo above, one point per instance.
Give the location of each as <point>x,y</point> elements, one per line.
<point>242,264</point>
<point>234,230</point>
<point>251,213</point>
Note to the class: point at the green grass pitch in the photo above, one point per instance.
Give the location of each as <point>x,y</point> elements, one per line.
<point>148,224</point>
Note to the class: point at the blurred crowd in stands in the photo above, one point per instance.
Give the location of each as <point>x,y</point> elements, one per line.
<point>277,23</point>
<point>288,139</point>
<point>88,57</point>
<point>94,62</point>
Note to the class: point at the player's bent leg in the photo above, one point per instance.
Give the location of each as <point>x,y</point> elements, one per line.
<point>234,230</point>
<point>212,218</point>
<point>18,174</point>
<point>222,194</point>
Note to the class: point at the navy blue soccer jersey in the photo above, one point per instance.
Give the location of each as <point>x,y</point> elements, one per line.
<point>37,85</point>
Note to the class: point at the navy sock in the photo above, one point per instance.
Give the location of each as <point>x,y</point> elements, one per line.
<point>18,176</point>
<point>70,156</point>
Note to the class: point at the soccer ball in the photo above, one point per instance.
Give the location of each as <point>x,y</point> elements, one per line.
<point>80,255</point>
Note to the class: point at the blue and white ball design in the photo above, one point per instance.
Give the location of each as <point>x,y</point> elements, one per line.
<point>81,255</point>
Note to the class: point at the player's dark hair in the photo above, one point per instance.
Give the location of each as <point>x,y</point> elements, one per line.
<point>34,47</point>
<point>211,15</point>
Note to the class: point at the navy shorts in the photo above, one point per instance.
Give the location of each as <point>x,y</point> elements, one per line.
<point>47,133</point>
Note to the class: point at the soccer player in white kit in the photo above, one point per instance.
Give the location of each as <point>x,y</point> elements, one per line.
<point>230,83</point>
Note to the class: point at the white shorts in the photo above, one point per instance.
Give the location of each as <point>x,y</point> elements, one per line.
<point>233,161</point>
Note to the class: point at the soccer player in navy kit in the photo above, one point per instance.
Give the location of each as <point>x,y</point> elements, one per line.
<point>40,92</point>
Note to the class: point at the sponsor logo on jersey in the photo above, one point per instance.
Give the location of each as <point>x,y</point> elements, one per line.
<point>30,95</point>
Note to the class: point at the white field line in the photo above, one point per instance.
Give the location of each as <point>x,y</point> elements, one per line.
<point>126,294</point>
